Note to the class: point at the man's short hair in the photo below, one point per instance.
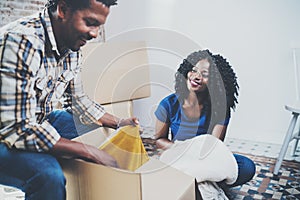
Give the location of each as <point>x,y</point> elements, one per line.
<point>78,4</point>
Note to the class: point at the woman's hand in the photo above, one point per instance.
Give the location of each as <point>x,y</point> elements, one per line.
<point>163,143</point>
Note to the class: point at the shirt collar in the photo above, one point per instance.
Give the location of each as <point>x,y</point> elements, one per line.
<point>48,26</point>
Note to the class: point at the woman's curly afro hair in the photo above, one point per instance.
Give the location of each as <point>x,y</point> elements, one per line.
<point>222,80</point>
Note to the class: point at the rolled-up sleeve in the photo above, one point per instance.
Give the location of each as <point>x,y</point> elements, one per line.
<point>88,110</point>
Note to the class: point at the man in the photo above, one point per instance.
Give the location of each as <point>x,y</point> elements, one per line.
<point>40,67</point>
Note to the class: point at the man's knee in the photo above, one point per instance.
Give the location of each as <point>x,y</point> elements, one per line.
<point>54,176</point>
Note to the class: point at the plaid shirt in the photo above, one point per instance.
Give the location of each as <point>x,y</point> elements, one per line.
<point>35,78</point>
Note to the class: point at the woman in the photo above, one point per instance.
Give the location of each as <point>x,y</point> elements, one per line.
<point>205,92</point>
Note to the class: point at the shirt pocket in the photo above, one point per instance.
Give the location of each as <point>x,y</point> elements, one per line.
<point>62,83</point>
<point>44,83</point>
<point>45,79</point>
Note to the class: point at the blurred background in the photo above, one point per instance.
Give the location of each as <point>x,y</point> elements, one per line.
<point>255,36</point>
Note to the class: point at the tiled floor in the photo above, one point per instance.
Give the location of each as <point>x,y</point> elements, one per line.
<point>236,145</point>
<point>261,148</point>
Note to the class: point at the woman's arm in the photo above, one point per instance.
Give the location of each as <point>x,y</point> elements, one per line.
<point>219,131</point>
<point>161,135</point>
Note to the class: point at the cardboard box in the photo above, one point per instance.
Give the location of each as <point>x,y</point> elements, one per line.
<point>152,181</point>
<point>115,72</point>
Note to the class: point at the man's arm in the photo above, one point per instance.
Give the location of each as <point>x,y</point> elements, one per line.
<point>111,121</point>
<point>91,111</point>
<point>73,149</point>
<point>19,67</point>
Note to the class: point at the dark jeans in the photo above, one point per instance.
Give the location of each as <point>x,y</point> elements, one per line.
<point>39,175</point>
<point>67,125</point>
<point>246,170</point>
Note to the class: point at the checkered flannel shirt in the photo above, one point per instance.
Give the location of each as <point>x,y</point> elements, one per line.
<point>35,78</point>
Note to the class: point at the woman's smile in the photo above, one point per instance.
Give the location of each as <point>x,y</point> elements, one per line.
<point>195,83</point>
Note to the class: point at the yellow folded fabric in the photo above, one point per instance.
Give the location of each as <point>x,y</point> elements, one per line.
<point>127,148</point>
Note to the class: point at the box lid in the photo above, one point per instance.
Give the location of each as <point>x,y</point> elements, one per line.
<point>116,71</point>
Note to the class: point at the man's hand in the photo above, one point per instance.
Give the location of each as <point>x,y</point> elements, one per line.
<point>65,147</point>
<point>109,120</point>
<point>100,157</point>
<point>133,121</point>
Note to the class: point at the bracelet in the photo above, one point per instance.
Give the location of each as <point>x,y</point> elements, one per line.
<point>119,123</point>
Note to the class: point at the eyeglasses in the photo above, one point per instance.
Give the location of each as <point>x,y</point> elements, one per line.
<point>203,73</point>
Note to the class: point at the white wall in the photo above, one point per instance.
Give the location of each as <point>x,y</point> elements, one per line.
<point>254,35</point>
